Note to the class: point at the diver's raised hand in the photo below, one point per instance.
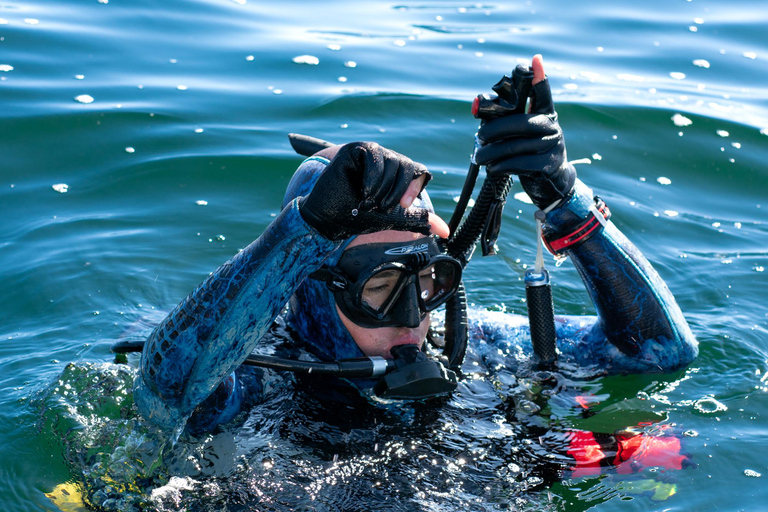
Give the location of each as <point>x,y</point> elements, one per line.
<point>368,188</point>
<point>530,146</point>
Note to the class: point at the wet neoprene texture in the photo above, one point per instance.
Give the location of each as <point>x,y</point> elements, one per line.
<point>530,146</point>
<point>359,192</point>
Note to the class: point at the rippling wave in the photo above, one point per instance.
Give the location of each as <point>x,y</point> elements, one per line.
<point>143,144</point>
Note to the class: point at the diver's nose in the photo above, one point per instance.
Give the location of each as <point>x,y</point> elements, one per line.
<point>409,313</point>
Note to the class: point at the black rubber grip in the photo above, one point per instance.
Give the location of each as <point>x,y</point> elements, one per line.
<point>541,315</point>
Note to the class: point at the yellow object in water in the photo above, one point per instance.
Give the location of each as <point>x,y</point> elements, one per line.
<point>657,491</point>
<point>67,498</point>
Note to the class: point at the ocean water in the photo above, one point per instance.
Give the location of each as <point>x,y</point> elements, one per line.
<point>143,143</point>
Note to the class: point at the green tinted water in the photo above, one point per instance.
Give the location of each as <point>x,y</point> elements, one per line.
<point>192,102</point>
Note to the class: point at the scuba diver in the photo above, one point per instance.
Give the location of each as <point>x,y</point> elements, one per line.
<point>361,259</point>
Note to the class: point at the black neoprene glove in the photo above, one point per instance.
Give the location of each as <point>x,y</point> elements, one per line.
<point>530,146</point>
<point>360,191</point>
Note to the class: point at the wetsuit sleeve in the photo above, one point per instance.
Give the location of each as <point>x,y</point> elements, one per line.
<point>640,327</point>
<point>195,350</point>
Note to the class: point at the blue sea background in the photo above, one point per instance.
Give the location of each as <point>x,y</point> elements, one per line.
<point>143,143</point>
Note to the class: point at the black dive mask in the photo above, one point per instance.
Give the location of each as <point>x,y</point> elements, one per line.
<point>391,284</point>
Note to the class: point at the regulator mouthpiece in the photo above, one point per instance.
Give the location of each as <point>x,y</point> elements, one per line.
<point>416,376</point>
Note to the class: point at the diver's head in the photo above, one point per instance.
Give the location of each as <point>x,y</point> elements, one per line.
<point>386,283</point>
<point>343,324</point>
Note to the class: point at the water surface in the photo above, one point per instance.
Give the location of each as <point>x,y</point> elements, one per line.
<point>166,125</point>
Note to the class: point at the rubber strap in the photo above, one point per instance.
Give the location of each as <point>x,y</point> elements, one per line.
<point>593,224</point>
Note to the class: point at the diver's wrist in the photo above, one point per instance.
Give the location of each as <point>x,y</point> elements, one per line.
<point>577,218</point>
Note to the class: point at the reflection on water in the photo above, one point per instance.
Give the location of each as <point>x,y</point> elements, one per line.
<point>143,143</point>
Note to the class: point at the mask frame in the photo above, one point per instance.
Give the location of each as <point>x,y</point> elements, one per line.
<point>404,301</point>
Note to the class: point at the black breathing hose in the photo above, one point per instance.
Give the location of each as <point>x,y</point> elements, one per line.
<point>484,220</point>
<point>456,323</point>
<point>363,367</point>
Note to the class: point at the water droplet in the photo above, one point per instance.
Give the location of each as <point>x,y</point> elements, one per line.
<point>399,42</point>
<point>31,21</point>
<point>350,64</point>
<point>681,120</point>
<point>129,149</point>
<point>61,188</point>
<point>342,79</point>
<point>723,133</point>
<point>759,268</point>
<point>201,202</point>
<point>84,98</point>
<point>220,238</point>
<point>523,198</point>
<point>750,55</point>
<point>334,47</point>
<point>701,63</point>
<point>249,58</point>
<point>677,75</point>
<point>752,473</point>
<point>663,181</point>
<point>309,60</point>
<point>596,156</point>
<point>708,405</point>
<point>198,130</point>
<point>671,213</point>
<point>6,67</point>
<point>182,87</point>
<point>528,407</point>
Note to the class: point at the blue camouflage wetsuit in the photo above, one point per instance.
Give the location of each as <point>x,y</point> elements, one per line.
<point>189,361</point>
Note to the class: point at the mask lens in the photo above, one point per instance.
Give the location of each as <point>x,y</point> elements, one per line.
<point>436,282</point>
<point>380,287</point>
